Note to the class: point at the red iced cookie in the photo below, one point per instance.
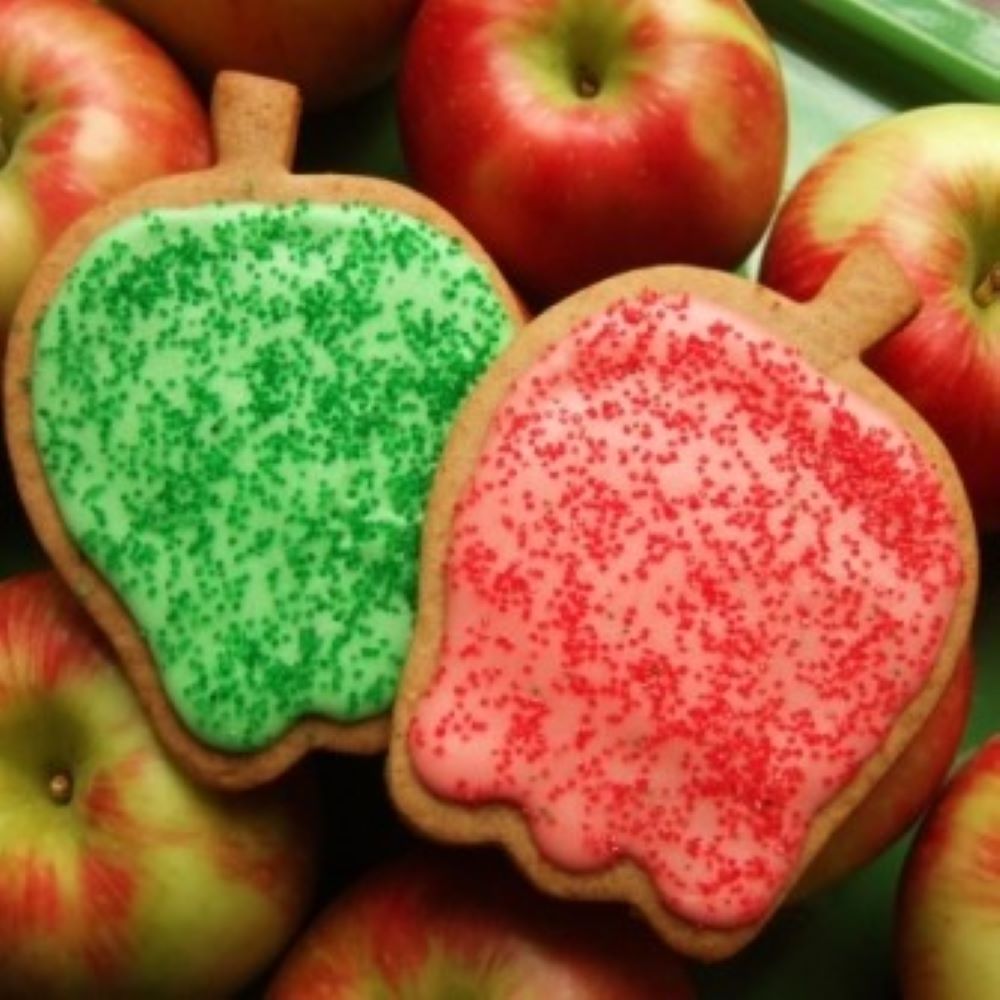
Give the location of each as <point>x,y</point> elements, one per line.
<point>693,578</point>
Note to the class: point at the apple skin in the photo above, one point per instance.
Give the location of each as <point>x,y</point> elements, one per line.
<point>926,183</point>
<point>331,49</point>
<point>896,801</point>
<point>89,107</point>
<point>463,923</point>
<point>118,876</point>
<point>581,138</point>
<point>948,904</point>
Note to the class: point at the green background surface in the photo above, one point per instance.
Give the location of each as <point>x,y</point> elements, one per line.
<point>839,944</point>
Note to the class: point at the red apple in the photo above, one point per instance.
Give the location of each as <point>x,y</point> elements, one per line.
<point>331,49</point>
<point>904,791</point>
<point>948,907</point>
<point>465,924</point>
<point>118,877</point>
<point>88,108</point>
<point>927,184</point>
<point>580,138</point>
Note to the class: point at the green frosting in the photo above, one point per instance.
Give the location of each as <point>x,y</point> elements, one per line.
<point>239,409</point>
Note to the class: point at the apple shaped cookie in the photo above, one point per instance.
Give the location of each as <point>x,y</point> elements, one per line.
<point>692,578</point>
<point>226,395</point>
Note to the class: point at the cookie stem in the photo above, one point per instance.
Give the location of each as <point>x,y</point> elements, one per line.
<point>255,120</point>
<point>866,298</point>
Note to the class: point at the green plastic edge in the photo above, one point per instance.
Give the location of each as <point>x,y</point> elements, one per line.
<point>894,49</point>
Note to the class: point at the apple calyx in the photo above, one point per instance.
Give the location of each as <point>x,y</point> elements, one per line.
<point>61,787</point>
<point>988,290</point>
<point>12,121</point>
<point>581,47</point>
<point>594,46</point>
<point>587,84</point>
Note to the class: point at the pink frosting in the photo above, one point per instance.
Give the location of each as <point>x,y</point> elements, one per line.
<point>691,585</point>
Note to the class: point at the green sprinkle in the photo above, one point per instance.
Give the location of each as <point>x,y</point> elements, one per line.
<point>239,409</point>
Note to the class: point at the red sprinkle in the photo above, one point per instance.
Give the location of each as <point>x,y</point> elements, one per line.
<point>691,585</point>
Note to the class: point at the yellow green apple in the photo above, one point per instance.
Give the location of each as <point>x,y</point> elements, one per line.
<point>465,924</point>
<point>118,876</point>
<point>948,907</point>
<point>89,107</point>
<point>926,184</point>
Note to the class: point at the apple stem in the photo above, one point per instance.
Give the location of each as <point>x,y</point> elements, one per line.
<point>987,291</point>
<point>61,787</point>
<point>254,120</point>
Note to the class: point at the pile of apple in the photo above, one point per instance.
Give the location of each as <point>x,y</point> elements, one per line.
<point>576,139</point>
